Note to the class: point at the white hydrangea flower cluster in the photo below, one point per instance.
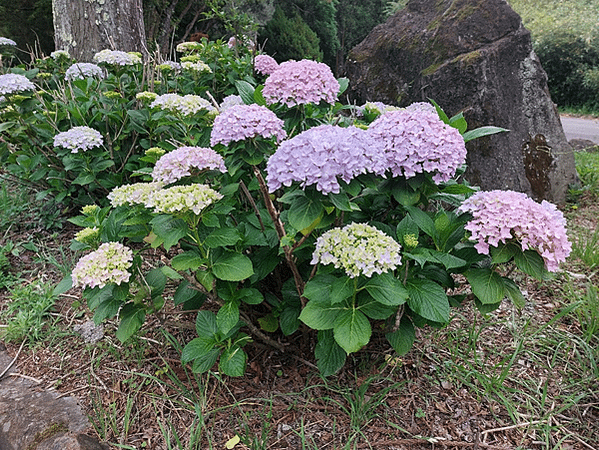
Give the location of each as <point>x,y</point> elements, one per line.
<point>358,249</point>
<point>117,58</point>
<point>229,101</point>
<point>196,67</point>
<point>188,47</point>
<point>81,71</point>
<point>169,66</point>
<point>78,138</point>
<point>181,199</point>
<point>12,83</point>
<point>108,264</point>
<point>187,104</point>
<point>7,41</point>
<point>133,194</point>
<point>58,54</point>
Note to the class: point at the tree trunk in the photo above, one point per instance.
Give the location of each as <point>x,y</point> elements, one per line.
<point>85,27</point>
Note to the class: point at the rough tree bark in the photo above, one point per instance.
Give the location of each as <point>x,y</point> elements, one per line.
<point>85,27</point>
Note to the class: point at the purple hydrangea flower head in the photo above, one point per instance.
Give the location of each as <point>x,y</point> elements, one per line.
<point>320,155</point>
<point>182,199</point>
<point>187,104</point>
<point>78,138</point>
<point>12,83</point>
<point>243,122</point>
<point>358,249</point>
<point>300,82</point>
<point>133,194</point>
<point>501,216</point>
<point>117,58</point>
<point>416,141</point>
<point>265,64</point>
<point>8,42</point>
<point>180,163</point>
<point>81,71</point>
<point>108,264</point>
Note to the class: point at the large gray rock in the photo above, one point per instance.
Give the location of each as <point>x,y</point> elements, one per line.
<point>35,419</point>
<point>476,57</point>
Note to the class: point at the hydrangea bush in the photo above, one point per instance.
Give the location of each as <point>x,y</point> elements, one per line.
<point>273,210</point>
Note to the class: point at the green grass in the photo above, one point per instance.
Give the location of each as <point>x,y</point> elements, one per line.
<point>587,166</point>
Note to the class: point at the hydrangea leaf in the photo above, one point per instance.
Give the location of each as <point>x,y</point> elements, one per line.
<point>197,348</point>
<point>230,266</point>
<point>303,212</point>
<point>205,362</point>
<point>341,289</point>
<point>233,361</point>
<point>487,285</point>
<point>227,316</point>
<point>514,293</point>
<point>428,300</point>
<point>222,237</point>
<point>482,131</point>
<point>403,338</point>
<point>319,314</point>
<point>387,289</point>
<point>503,253</point>
<point>373,309</point>
<point>352,330</point>
<point>319,287</point>
<point>132,318</point>
<point>289,319</point>
<point>206,324</point>
<point>330,357</point>
<point>531,263</point>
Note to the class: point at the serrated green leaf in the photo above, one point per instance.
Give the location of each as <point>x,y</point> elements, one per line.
<point>222,237</point>
<point>403,338</point>
<point>330,357</point>
<point>303,212</point>
<point>352,330</point>
<point>487,285</point>
<point>373,309</point>
<point>482,131</point>
<point>423,220</point>
<point>185,293</point>
<point>227,316</point>
<point>269,323</point>
<point>289,319</point>
<point>319,314</point>
<point>132,318</point>
<point>231,266</point>
<point>341,289</point>
<point>428,300</point>
<point>156,280</point>
<point>246,91</point>
<point>233,361</point>
<point>206,324</point>
<point>503,253</point>
<point>514,293</point>
<point>319,287</point>
<point>341,201</point>
<point>107,310</point>
<point>531,263</point>
<point>188,260</point>
<point>197,348</point>
<point>206,362</point>
<point>387,289</point>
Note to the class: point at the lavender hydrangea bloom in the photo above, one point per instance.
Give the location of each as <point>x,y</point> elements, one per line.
<point>417,141</point>
<point>246,122</point>
<point>117,58</point>
<point>186,105</point>
<point>265,64</point>
<point>78,138</point>
<point>81,71</point>
<point>300,82</point>
<point>500,216</point>
<point>320,155</point>
<point>179,163</point>
<point>7,41</point>
<point>358,249</point>
<point>229,101</point>
<point>182,199</point>
<point>133,194</point>
<point>12,83</point>
<point>108,264</point>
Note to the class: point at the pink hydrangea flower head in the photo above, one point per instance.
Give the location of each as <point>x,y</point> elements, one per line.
<point>415,141</point>
<point>320,155</point>
<point>300,82</point>
<point>265,64</point>
<point>501,216</point>
<point>181,163</point>
<point>241,122</point>
<point>108,264</point>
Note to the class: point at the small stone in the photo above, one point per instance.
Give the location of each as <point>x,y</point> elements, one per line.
<point>90,332</point>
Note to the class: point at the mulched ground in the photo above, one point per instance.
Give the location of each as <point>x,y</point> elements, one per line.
<point>378,401</point>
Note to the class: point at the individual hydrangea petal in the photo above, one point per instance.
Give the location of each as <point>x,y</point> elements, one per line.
<point>415,141</point>
<point>265,64</point>
<point>358,249</point>
<point>80,71</point>
<point>242,122</point>
<point>12,83</point>
<point>133,194</point>
<point>322,154</point>
<point>108,264</point>
<point>300,82</point>
<point>7,41</point>
<point>117,58</point>
<point>182,199</point>
<point>501,216</point>
<point>186,105</point>
<point>78,138</point>
<point>179,163</point>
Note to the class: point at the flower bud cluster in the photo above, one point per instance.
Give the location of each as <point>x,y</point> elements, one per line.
<point>187,104</point>
<point>180,163</point>
<point>81,71</point>
<point>108,264</point>
<point>300,82</point>
<point>243,122</point>
<point>181,199</point>
<point>502,216</point>
<point>12,83</point>
<point>78,138</point>
<point>196,67</point>
<point>358,249</point>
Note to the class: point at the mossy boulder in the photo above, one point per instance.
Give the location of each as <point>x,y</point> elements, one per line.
<point>475,57</point>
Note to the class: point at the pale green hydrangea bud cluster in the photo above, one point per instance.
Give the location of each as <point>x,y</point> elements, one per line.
<point>108,264</point>
<point>146,96</point>
<point>133,194</point>
<point>188,47</point>
<point>88,235</point>
<point>196,67</point>
<point>181,199</point>
<point>358,249</point>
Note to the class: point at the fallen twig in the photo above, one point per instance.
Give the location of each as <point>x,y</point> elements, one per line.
<point>13,361</point>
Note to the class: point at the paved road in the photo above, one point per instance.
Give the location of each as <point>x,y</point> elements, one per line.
<point>580,128</point>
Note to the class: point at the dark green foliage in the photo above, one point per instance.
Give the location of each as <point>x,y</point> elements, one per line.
<point>27,22</point>
<point>290,38</point>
